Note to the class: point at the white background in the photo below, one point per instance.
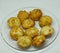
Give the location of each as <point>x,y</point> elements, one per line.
<point>7,6</point>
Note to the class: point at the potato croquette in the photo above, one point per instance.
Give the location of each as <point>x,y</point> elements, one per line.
<point>35,14</point>
<point>24,42</point>
<point>45,20</point>
<point>22,15</point>
<point>31,28</point>
<point>32,32</point>
<point>16,32</point>
<point>28,23</point>
<point>46,31</point>
<point>38,40</point>
<point>13,21</point>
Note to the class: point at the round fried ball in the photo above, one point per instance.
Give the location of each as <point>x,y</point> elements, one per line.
<point>28,23</point>
<point>46,31</point>
<point>32,32</point>
<point>16,32</point>
<point>35,14</point>
<point>24,42</point>
<point>22,15</point>
<point>13,21</point>
<point>45,20</point>
<point>38,40</point>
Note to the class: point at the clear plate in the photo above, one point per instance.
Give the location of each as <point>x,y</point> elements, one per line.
<point>5,30</point>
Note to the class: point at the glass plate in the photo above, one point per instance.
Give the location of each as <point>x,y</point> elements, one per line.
<point>5,30</point>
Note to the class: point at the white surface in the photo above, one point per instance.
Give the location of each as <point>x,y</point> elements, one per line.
<point>7,6</point>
